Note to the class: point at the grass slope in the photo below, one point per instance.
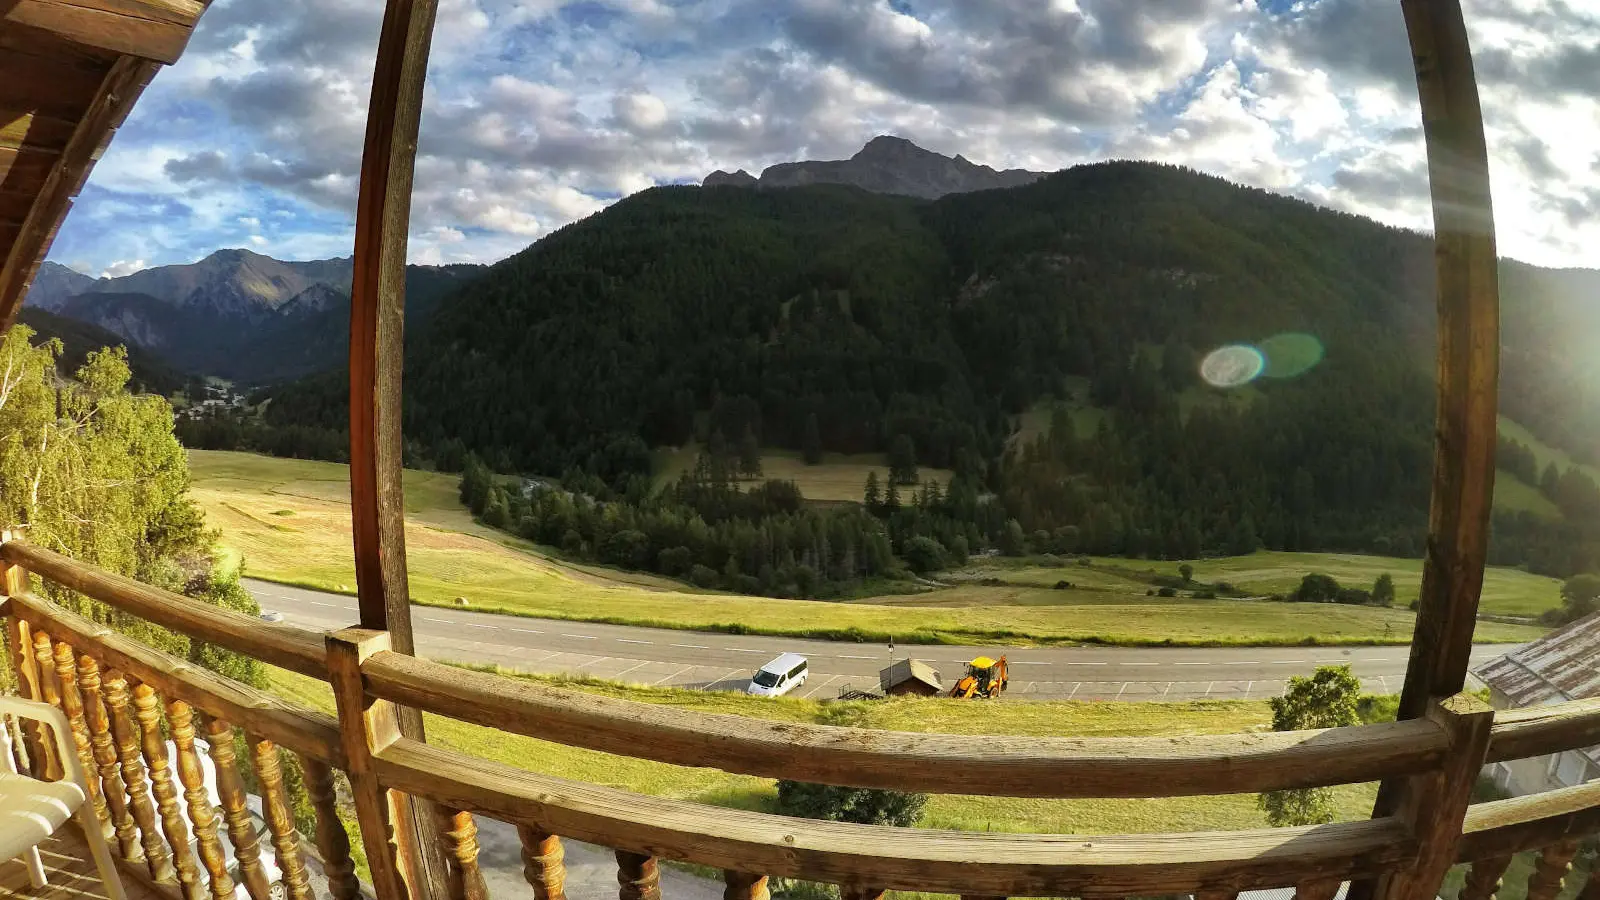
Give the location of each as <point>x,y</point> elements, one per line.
<point>290,520</point>
<point>838,478</point>
<point>1505,591</point>
<point>960,812</point>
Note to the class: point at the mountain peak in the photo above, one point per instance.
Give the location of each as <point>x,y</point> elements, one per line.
<point>890,147</point>
<point>887,164</point>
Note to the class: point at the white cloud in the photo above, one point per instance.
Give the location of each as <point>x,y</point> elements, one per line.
<point>540,111</point>
<point>122,267</point>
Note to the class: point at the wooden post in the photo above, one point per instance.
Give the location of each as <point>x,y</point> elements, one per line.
<point>377,321</point>
<point>1434,804</point>
<point>1468,301</point>
<point>367,725</point>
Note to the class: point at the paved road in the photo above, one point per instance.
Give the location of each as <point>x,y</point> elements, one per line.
<point>654,656</point>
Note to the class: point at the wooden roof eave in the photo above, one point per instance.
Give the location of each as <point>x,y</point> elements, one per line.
<point>111,49</point>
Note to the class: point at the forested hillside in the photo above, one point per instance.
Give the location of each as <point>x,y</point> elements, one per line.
<point>830,318</point>
<point>150,374</point>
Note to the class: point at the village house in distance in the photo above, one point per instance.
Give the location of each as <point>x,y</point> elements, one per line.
<point>1561,666</point>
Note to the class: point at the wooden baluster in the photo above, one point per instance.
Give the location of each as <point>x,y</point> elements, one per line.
<point>72,705</point>
<point>460,834</point>
<point>280,821</point>
<point>1322,889</point>
<point>124,833</point>
<point>638,875</point>
<point>1591,887</point>
<point>133,778</point>
<point>847,892</point>
<point>543,863</point>
<point>332,842</point>
<point>147,711</point>
<point>49,692</point>
<point>1483,880</point>
<point>744,886</point>
<point>236,809</point>
<point>35,743</point>
<point>204,816</point>
<point>1551,870</point>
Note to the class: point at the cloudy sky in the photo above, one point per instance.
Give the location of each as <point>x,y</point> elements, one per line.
<point>540,112</point>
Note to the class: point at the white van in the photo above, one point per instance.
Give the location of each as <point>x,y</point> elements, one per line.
<point>780,676</point>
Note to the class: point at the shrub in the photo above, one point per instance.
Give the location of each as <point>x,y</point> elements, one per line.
<point>863,806</point>
<point>1353,597</point>
<point>1317,588</point>
<point>1383,591</point>
<point>675,561</point>
<point>572,542</point>
<point>1204,595</point>
<point>923,555</point>
<point>1063,585</point>
<point>1167,592</point>
<point>1051,561</point>
<point>703,576</point>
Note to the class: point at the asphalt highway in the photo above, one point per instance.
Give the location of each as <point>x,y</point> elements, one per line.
<point>712,661</point>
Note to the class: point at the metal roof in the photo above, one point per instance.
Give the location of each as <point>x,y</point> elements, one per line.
<point>1562,665</point>
<point>908,669</point>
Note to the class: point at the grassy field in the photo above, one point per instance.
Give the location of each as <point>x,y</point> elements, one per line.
<point>1505,591</point>
<point>838,478</point>
<point>959,812</point>
<point>290,521</point>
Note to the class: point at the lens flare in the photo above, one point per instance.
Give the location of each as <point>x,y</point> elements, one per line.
<point>1231,366</point>
<point>1290,354</point>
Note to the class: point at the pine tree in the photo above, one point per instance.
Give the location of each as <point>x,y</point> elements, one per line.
<point>811,441</point>
<point>871,497</point>
<point>902,460</point>
<point>750,455</point>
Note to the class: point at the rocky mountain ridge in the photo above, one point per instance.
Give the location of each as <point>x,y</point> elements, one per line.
<point>235,313</point>
<point>885,165</point>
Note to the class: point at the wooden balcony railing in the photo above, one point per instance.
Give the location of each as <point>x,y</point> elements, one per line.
<point>126,700</point>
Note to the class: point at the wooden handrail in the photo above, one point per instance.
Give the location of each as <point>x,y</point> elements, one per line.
<point>1539,730</point>
<point>310,733</point>
<point>643,828</point>
<point>896,858</point>
<point>286,646</point>
<point>1504,827</point>
<point>943,763</point>
<point>998,766</point>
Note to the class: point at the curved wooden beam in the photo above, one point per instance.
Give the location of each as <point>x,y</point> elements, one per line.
<point>1469,353</point>
<point>1468,299</point>
<point>377,335</point>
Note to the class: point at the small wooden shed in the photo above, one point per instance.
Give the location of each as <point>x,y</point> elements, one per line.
<point>910,677</point>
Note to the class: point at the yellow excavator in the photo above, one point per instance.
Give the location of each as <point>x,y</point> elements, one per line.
<point>985,678</point>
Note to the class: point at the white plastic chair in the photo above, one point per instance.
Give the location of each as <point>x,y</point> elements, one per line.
<point>32,810</point>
